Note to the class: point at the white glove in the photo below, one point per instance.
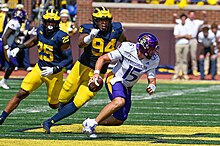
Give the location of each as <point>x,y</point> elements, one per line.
<point>46,71</point>
<point>6,47</point>
<point>91,36</point>
<point>14,52</point>
<point>32,31</point>
<point>94,33</point>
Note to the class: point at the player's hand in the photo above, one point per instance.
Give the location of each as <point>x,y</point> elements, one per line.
<point>46,71</point>
<point>14,52</point>
<point>6,47</point>
<point>150,89</point>
<point>32,31</point>
<point>94,33</point>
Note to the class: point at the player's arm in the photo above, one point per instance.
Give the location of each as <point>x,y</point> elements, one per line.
<point>85,39</point>
<point>28,44</point>
<point>5,37</point>
<point>151,85</point>
<point>122,38</point>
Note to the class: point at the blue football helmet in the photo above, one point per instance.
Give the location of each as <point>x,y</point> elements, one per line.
<point>51,16</point>
<point>101,13</point>
<point>145,42</point>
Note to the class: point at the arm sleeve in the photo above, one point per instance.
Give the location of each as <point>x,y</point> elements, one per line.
<point>67,58</point>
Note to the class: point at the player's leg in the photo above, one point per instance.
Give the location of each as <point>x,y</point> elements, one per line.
<point>77,81</point>
<point>30,83</point>
<point>12,62</point>
<point>114,113</point>
<point>54,85</point>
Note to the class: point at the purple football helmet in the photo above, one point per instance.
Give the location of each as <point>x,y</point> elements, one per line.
<point>20,15</point>
<point>146,41</point>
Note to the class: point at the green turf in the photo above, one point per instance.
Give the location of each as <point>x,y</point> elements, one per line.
<point>171,105</point>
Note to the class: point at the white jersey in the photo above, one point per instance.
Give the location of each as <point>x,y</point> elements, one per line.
<point>206,41</point>
<point>14,25</point>
<point>129,68</point>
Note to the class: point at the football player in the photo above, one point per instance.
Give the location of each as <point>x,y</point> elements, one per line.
<point>97,39</point>
<point>133,60</point>
<point>11,31</point>
<point>51,43</point>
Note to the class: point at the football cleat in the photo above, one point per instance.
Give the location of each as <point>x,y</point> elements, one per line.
<point>4,85</point>
<point>89,126</point>
<point>46,126</point>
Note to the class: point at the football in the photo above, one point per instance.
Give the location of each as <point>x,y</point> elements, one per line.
<point>96,85</point>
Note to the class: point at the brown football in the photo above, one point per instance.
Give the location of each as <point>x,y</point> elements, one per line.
<point>96,85</point>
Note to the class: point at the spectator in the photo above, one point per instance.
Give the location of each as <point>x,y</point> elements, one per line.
<point>206,40</point>
<point>216,31</point>
<point>182,35</point>
<point>194,25</point>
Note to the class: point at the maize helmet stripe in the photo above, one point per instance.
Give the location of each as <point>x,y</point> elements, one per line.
<point>102,12</point>
<point>51,14</point>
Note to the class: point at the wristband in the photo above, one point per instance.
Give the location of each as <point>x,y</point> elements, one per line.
<point>21,46</point>
<point>87,39</point>
<point>6,47</point>
<point>152,86</point>
<point>96,72</point>
<point>57,69</point>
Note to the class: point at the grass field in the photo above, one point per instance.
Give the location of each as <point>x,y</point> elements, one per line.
<point>177,114</point>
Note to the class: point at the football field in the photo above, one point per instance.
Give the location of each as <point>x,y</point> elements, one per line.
<point>179,113</point>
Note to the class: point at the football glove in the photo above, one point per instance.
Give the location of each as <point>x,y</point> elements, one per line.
<point>50,70</point>
<point>150,89</point>
<point>6,47</point>
<point>14,52</point>
<point>91,36</point>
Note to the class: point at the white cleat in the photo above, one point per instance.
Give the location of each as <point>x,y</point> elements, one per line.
<point>89,126</point>
<point>4,85</point>
<point>29,69</point>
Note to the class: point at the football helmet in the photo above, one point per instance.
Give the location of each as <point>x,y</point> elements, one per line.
<point>51,20</point>
<point>20,15</point>
<point>101,13</point>
<point>146,42</point>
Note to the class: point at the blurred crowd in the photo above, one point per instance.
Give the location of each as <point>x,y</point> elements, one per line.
<point>182,3</point>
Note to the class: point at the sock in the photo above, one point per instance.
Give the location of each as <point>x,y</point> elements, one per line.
<point>66,111</point>
<point>4,115</point>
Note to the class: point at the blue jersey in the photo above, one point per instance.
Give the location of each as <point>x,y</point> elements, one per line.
<point>49,48</point>
<point>103,43</point>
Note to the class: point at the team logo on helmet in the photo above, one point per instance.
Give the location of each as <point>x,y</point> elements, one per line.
<point>146,41</point>
<point>101,13</point>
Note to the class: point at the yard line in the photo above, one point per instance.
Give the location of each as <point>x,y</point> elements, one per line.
<point>176,121</point>
<point>175,114</point>
<point>178,103</point>
<point>176,108</point>
<point>173,93</point>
